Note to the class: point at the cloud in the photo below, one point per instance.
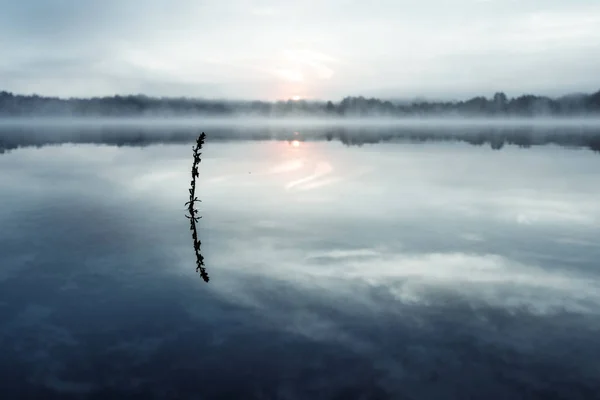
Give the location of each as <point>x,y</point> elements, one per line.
<point>399,48</point>
<point>264,11</point>
<point>293,75</point>
<point>314,60</point>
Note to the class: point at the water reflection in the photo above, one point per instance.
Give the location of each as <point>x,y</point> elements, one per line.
<point>493,134</point>
<point>437,271</point>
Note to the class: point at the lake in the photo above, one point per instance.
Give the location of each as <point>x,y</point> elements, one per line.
<point>391,269</point>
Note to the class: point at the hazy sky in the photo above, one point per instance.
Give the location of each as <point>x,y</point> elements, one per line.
<point>314,49</point>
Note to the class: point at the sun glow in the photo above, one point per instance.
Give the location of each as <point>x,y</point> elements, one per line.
<point>296,98</point>
<point>295,143</point>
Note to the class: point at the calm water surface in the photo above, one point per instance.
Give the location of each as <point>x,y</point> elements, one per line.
<point>437,270</point>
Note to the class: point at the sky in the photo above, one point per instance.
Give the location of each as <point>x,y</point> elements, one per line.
<point>268,50</point>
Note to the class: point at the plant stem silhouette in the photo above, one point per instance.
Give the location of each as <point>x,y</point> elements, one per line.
<point>193,213</point>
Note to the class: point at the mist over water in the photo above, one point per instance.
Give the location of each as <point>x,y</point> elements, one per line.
<point>414,266</point>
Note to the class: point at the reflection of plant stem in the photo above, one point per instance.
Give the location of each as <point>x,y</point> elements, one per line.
<point>193,213</point>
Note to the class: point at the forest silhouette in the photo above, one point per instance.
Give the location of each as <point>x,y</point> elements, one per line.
<point>498,105</point>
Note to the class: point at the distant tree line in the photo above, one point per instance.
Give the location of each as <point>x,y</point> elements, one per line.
<point>13,105</point>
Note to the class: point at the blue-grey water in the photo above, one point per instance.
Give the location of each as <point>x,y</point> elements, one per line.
<point>435,270</point>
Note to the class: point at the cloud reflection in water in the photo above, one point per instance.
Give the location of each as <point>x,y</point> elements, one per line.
<point>411,276</point>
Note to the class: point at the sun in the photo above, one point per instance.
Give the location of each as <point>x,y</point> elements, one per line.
<point>296,97</point>
<point>295,143</point>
